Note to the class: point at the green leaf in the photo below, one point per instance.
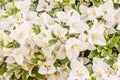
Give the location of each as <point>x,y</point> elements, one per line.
<point>89,67</point>
<point>118,46</point>
<point>36,74</point>
<point>90,23</point>
<point>3,16</point>
<point>13,44</point>
<point>106,52</point>
<point>99,48</point>
<point>93,53</point>
<point>24,75</point>
<point>10,0</point>
<point>96,2</point>
<point>7,32</point>
<point>1,44</point>
<point>52,42</point>
<point>3,68</point>
<point>32,7</point>
<point>112,59</point>
<point>93,78</point>
<point>53,35</point>
<point>66,1</point>
<point>36,29</point>
<point>34,60</point>
<point>11,71</point>
<point>12,11</point>
<point>113,41</point>
<point>60,62</point>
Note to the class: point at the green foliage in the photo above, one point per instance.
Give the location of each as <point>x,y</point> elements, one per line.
<point>53,35</point>
<point>93,78</point>
<point>7,32</point>
<point>12,11</point>
<point>10,0</point>
<point>33,5</point>
<point>36,74</point>
<point>113,41</point>
<point>89,67</point>
<point>66,1</point>
<point>96,2</point>
<point>52,42</point>
<point>11,71</point>
<point>13,44</point>
<point>1,44</point>
<point>93,53</point>
<point>59,62</point>
<point>34,60</point>
<point>112,59</point>
<point>24,75</point>
<point>106,52</point>
<point>36,29</point>
<point>3,68</point>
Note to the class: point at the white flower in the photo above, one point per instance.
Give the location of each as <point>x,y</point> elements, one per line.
<point>83,9</point>
<point>62,16</point>
<point>84,38</point>
<point>77,26</point>
<point>43,5</point>
<point>96,34</point>
<point>47,19</point>
<point>79,71</point>
<point>118,27</point>
<point>23,5</point>
<point>19,54</point>
<point>59,30</point>
<point>107,11</point>
<point>92,13</point>
<point>47,67</point>
<point>73,48</point>
<point>61,53</point>
<point>10,60</point>
<point>21,33</point>
<point>101,69</point>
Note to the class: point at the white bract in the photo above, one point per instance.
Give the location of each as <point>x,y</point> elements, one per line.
<point>60,39</point>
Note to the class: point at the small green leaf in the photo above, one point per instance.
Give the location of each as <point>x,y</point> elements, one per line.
<point>36,29</point>
<point>93,78</point>
<point>10,0</point>
<point>106,52</point>
<point>90,23</point>
<point>24,75</point>
<point>66,1</point>
<point>112,59</point>
<point>36,74</point>
<point>34,60</point>
<point>13,44</point>
<point>53,35</point>
<point>32,7</point>
<point>1,44</point>
<point>113,41</point>
<point>52,42</point>
<point>11,71</point>
<point>93,53</point>
<point>118,46</point>
<point>12,11</point>
<point>96,2</point>
<point>3,68</point>
<point>7,32</point>
<point>3,16</point>
<point>89,67</point>
<point>61,62</point>
<point>99,48</point>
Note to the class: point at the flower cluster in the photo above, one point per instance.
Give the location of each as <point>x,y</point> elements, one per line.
<point>59,39</point>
